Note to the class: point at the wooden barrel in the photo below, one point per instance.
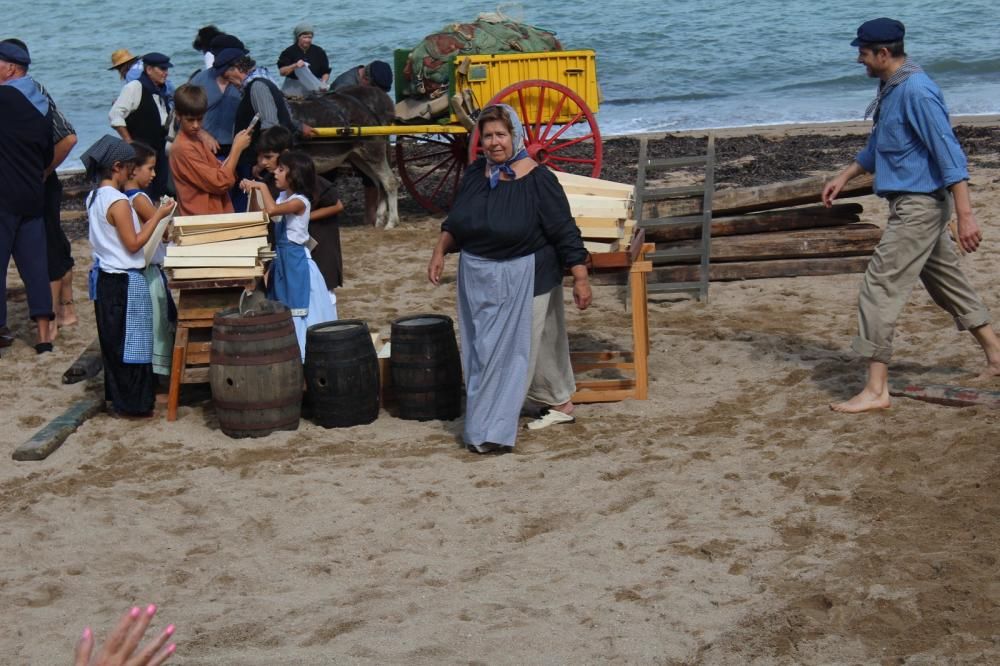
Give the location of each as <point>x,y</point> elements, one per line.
<point>342,385</point>
<point>425,368</point>
<point>256,371</point>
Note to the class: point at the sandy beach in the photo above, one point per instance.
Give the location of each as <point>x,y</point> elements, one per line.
<point>732,518</point>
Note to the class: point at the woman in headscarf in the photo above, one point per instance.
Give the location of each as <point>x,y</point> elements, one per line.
<point>122,305</point>
<point>512,223</point>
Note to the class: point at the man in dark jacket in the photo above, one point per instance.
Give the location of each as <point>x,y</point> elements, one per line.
<point>26,146</point>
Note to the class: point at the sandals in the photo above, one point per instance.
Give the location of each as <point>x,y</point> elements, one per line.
<point>550,417</point>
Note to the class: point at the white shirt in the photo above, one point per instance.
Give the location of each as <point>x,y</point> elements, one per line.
<point>296,226</point>
<point>104,239</point>
<point>128,101</point>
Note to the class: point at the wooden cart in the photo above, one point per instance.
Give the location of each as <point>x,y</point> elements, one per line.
<point>555,93</point>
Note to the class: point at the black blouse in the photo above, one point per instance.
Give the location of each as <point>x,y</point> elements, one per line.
<point>529,215</point>
<point>319,64</point>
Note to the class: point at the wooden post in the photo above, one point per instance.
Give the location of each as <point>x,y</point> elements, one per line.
<point>176,371</point>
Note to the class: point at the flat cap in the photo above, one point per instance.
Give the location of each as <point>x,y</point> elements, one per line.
<point>157,60</point>
<point>879,31</point>
<point>14,53</point>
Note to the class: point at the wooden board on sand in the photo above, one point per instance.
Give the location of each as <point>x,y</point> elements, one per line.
<point>944,394</point>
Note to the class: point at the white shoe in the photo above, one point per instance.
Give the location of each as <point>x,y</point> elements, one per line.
<point>550,417</point>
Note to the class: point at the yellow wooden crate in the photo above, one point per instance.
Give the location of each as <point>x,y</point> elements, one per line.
<point>487,75</point>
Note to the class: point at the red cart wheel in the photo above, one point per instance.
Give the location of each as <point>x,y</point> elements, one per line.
<point>431,167</point>
<point>560,130</point>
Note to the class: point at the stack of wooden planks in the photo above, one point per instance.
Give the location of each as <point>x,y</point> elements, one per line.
<point>228,245</point>
<point>763,232</point>
<point>602,209</point>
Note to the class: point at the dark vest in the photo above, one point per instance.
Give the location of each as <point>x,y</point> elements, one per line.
<point>245,111</point>
<point>144,123</point>
<point>26,147</point>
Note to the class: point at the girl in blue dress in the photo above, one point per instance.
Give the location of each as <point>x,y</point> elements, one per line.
<point>295,279</point>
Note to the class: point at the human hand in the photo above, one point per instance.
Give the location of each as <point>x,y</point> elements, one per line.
<point>435,268</point>
<point>969,233</point>
<point>166,205</point>
<point>120,649</point>
<point>307,131</point>
<point>831,190</point>
<point>248,185</point>
<point>241,140</point>
<point>582,294</point>
<point>300,63</point>
<point>208,141</point>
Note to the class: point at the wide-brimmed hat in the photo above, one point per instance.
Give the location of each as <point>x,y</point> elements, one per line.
<point>121,57</point>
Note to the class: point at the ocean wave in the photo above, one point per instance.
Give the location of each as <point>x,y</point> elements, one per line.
<point>684,97</point>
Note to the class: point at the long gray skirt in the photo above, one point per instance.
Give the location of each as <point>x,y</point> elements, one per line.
<point>494,322</point>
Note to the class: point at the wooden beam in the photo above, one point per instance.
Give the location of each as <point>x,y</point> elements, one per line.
<point>733,200</point>
<point>776,220</point>
<point>953,396</point>
<point>752,270</point>
<point>87,365</point>
<point>846,241</point>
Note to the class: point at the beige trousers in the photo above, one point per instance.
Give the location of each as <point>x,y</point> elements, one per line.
<point>915,244</point>
<point>552,379</point>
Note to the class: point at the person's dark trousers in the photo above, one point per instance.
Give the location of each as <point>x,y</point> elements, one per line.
<point>24,239</point>
<point>60,252</point>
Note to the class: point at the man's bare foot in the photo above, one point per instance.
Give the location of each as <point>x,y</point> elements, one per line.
<point>866,401</point>
<point>990,375</point>
<point>67,314</point>
<point>53,330</point>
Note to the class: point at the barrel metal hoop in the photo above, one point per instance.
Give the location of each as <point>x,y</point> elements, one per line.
<point>268,426</point>
<point>270,404</point>
<point>287,354</point>
<point>274,333</point>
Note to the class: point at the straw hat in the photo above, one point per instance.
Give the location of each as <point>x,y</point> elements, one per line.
<point>121,57</point>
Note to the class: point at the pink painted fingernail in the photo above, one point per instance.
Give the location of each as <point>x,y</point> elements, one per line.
<point>150,609</point>
<point>134,612</point>
<point>169,630</point>
<point>86,633</point>
<point>171,648</point>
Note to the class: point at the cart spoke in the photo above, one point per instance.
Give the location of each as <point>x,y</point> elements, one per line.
<point>552,147</point>
<point>426,156</point>
<point>552,119</point>
<point>432,170</point>
<point>572,160</point>
<point>524,126</point>
<point>444,179</point>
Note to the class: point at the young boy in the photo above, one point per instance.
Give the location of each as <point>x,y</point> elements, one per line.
<point>202,183</point>
<point>326,206</point>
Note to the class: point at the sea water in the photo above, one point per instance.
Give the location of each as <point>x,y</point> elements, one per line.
<point>663,65</point>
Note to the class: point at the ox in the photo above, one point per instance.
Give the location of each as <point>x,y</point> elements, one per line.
<point>354,106</point>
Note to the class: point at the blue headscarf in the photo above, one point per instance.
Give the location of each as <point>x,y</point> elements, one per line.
<point>517,140</point>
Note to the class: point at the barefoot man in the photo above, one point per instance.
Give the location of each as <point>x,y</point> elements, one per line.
<point>919,168</point>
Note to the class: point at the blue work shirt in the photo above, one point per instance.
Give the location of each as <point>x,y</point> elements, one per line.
<point>912,147</point>
<point>222,105</point>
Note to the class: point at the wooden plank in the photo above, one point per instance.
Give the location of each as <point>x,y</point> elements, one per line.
<point>220,219</point>
<point>56,431</point>
<point>588,206</point>
<point>850,240</point>
<point>246,247</point>
<point>195,375</point>
<point>216,236</point>
<point>210,262</point>
<point>600,233</point>
<point>88,364</point>
<point>763,197</point>
<point>603,395</point>
<point>214,283</point>
<point>594,246</point>
<point>943,394</point>
<point>604,384</point>
<point>752,270</point>
<point>575,184</point>
<point>201,273</point>
<point>778,220</point>
<point>605,222</point>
